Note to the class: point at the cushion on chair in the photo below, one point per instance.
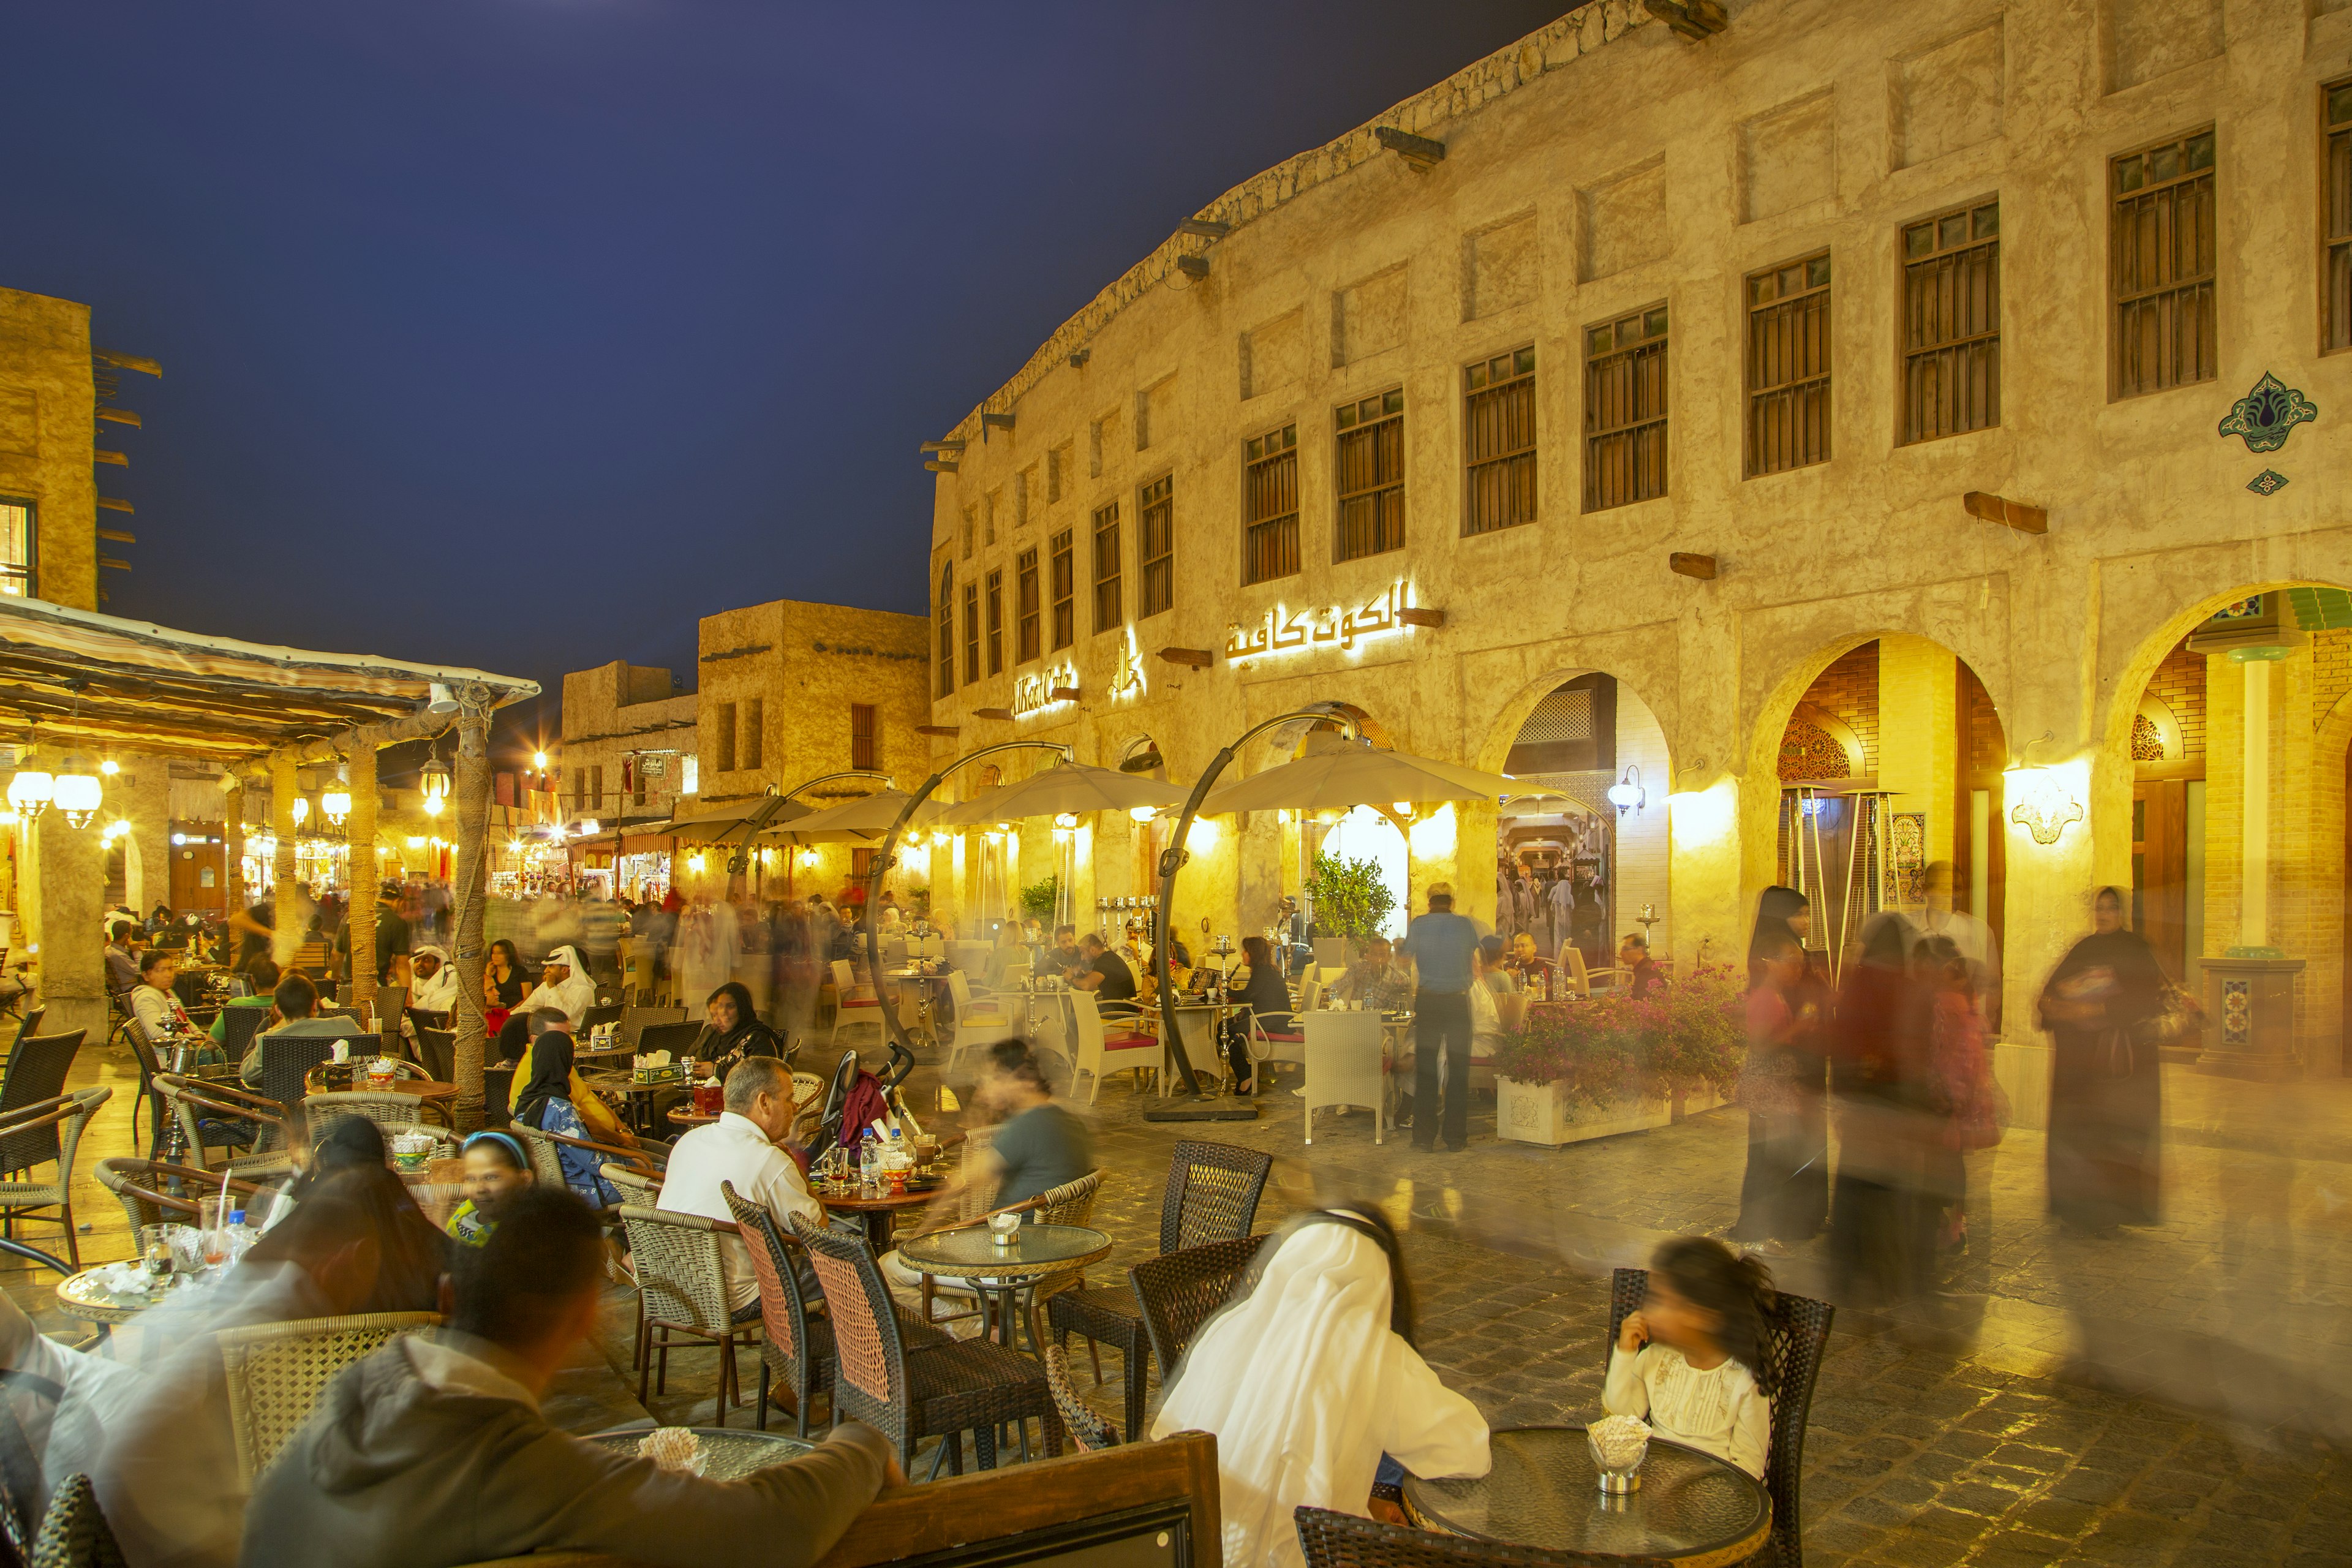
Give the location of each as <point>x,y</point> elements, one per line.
<point>1129,1042</point>
<point>1284,1039</point>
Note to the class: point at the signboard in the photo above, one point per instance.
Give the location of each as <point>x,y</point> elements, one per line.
<point>1035,693</point>
<point>1285,630</point>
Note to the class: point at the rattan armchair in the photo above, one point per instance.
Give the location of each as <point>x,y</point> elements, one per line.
<point>682,1288</point>
<point>65,1119</point>
<point>1333,1539</point>
<point>277,1371</point>
<point>798,1347</point>
<point>217,1115</point>
<point>1798,1332</point>
<point>547,1160</point>
<point>139,1185</point>
<point>1089,1431</point>
<point>1213,1195</point>
<point>909,1395</point>
<point>386,1108</point>
<point>1179,1291</point>
<point>74,1533</point>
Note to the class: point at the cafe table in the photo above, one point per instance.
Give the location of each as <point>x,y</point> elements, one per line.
<point>879,1212</point>
<point>436,1095</point>
<point>1544,1491</point>
<point>1003,1274</point>
<point>727,1454</point>
<point>686,1117</point>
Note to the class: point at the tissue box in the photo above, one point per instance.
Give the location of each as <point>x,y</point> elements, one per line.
<point>670,1074</point>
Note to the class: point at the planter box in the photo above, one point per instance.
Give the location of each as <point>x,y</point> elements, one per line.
<point>1543,1113</point>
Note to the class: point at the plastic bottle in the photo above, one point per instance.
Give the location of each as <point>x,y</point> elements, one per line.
<point>869,1160</point>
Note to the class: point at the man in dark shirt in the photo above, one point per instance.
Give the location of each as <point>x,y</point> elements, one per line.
<point>1063,957</point>
<point>1634,954</point>
<point>1103,972</point>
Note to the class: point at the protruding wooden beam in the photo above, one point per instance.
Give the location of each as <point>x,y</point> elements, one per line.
<point>2008,514</point>
<point>948,730</point>
<point>1207,228</point>
<point>1694,19</point>
<point>1420,152</point>
<point>119,416</point>
<point>100,455</point>
<point>112,564</point>
<point>1062,694</point>
<point>991,712</point>
<point>116,536</point>
<point>993,422</point>
<point>126,362</point>
<point>937,466</point>
<point>115,503</point>
<point>1683,563</point>
<point>940,448</point>
<point>1196,267</point>
<point>1413,617</point>
<point>1190,658</point>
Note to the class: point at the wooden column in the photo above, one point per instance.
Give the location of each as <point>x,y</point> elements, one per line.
<point>233,852</point>
<point>286,940</point>
<point>473,791</point>
<point>360,834</point>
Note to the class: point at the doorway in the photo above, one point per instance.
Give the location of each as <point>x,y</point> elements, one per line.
<point>2159,863</point>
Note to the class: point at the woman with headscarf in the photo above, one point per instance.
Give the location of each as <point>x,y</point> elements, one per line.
<point>732,1031</point>
<point>1879,1048</point>
<point>2106,1097</point>
<point>1309,1377</point>
<point>1784,1195</point>
<point>411,1251</point>
<point>546,1105</point>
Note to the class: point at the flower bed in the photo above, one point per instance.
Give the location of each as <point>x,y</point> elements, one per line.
<point>1611,1064</point>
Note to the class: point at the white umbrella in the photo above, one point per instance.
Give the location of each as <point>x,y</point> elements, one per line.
<point>732,822</point>
<point>1350,774</point>
<point>853,821</point>
<point>1073,787</point>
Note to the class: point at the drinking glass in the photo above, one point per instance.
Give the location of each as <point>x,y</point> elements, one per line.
<point>213,1237</point>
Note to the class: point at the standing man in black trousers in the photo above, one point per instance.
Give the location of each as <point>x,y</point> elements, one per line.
<point>1442,944</point>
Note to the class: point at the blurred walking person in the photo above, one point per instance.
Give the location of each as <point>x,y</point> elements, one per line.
<point>2105,1097</point>
<point>1785,1193</point>
<point>1878,1051</point>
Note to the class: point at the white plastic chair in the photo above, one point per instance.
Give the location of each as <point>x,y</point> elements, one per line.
<point>979,1021</point>
<point>851,999</point>
<point>1343,1066</point>
<point>1099,1054</point>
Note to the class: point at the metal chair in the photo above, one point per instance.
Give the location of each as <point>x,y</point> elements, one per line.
<point>74,1533</point>
<point>547,1158</point>
<point>1179,1291</point>
<point>682,1285</point>
<point>64,1119</point>
<point>215,1115</point>
<point>943,1391</point>
<point>35,1075</point>
<point>277,1371</point>
<point>1089,1431</point>
<point>1333,1539</point>
<point>1798,1332</point>
<point>138,1185</point>
<point>1211,1194</point>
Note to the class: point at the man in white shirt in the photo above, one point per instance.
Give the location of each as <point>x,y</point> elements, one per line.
<point>1972,936</point>
<point>740,1147</point>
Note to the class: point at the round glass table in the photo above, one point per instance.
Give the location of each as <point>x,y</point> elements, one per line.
<point>726,1454</point>
<point>1545,1491</point>
<point>1003,1274</point>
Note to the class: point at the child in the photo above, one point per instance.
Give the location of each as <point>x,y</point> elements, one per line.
<point>1692,1360</point>
<point>496,1168</point>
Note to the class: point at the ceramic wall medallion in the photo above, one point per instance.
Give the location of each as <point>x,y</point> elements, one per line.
<point>2267,483</point>
<point>2265,417</point>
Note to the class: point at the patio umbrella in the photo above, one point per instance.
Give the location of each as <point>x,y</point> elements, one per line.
<point>732,823</point>
<point>853,821</point>
<point>1349,773</point>
<point>1073,787</point>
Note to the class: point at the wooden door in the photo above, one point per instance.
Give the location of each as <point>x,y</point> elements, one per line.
<point>2160,870</point>
<point>197,882</point>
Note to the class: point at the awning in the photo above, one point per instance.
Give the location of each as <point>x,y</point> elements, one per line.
<point>81,677</point>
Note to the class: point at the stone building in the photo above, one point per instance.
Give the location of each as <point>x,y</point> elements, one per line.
<point>1894,408</point>
<point>788,692</point>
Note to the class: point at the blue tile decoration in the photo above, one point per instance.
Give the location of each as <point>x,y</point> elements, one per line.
<point>2269,482</point>
<point>2237,1012</point>
<point>2265,417</point>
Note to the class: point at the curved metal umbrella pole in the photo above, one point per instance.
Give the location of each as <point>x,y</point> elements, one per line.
<point>902,1051</point>
<point>756,822</point>
<point>1172,860</point>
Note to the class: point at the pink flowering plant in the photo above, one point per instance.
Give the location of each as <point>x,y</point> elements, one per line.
<point>1688,1035</point>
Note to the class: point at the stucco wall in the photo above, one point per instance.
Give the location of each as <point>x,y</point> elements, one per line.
<point>46,399</point>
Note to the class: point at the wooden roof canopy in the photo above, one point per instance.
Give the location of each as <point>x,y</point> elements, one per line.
<point>76,678</point>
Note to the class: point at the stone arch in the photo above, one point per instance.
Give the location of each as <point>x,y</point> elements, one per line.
<point>2122,686</point>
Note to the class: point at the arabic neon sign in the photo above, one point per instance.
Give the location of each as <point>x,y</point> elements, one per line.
<point>1285,630</point>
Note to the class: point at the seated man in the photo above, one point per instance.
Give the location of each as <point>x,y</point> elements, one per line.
<point>293,1010</point>
<point>742,1147</point>
<point>1634,953</point>
<point>433,1452</point>
<point>565,992</point>
<point>1063,956</point>
<point>122,963</point>
<point>1379,979</point>
<point>1103,972</point>
<point>1535,971</point>
<point>264,978</point>
<point>153,1002</point>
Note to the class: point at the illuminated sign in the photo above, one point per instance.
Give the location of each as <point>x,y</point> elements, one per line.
<point>1035,693</point>
<point>1128,679</point>
<point>1285,630</point>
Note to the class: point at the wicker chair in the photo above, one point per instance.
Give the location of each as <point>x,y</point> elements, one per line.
<point>276,1372</point>
<point>217,1115</point>
<point>1089,1431</point>
<point>1212,1195</point>
<point>436,1049</point>
<point>547,1164</point>
<point>64,1119</point>
<point>942,1391</point>
<point>682,1288</point>
<point>139,1185</point>
<point>1072,1202</point>
<point>1799,1331</point>
<point>798,1347</point>
<point>239,1026</point>
<point>74,1533</point>
<point>1179,1291</point>
<point>385,1108</point>
<point>1350,1541</point>
<point>286,1059</point>
<point>35,1075</point>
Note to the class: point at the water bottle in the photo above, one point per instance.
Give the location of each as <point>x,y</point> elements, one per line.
<point>869,1161</point>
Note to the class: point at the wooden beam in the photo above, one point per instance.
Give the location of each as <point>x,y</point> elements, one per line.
<point>119,416</point>
<point>127,362</point>
<point>115,503</point>
<point>1196,267</point>
<point>100,455</point>
<point>2008,514</point>
<point>1685,564</point>
<point>114,564</point>
<point>991,712</point>
<point>116,536</point>
<point>1419,151</point>
<point>1412,617</point>
<point>1190,658</point>
<point>1694,19</point>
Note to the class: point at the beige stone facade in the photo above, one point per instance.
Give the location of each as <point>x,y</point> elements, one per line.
<point>1604,170</point>
<point>47,399</point>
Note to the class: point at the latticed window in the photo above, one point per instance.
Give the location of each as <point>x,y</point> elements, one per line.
<point>1107,568</point>
<point>1951,322</point>
<point>1625,410</point>
<point>1024,606</point>
<point>2161,272</point>
<point>1155,545</point>
<point>865,736</point>
<point>971,633</point>
<point>1788,366</point>
<point>17,549</point>
<point>1065,590</point>
<point>943,612</point>
<point>1498,424</point>
<point>996,622</point>
<point>2336,306</point>
<point>1270,506</point>
<point>1372,476</point>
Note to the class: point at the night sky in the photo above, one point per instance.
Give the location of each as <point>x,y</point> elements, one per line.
<point>520,333</point>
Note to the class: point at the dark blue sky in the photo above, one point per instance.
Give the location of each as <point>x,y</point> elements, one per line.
<point>518,333</point>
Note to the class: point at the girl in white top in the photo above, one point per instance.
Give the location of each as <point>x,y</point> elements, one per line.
<point>1692,1360</point>
<point>1308,1377</point>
